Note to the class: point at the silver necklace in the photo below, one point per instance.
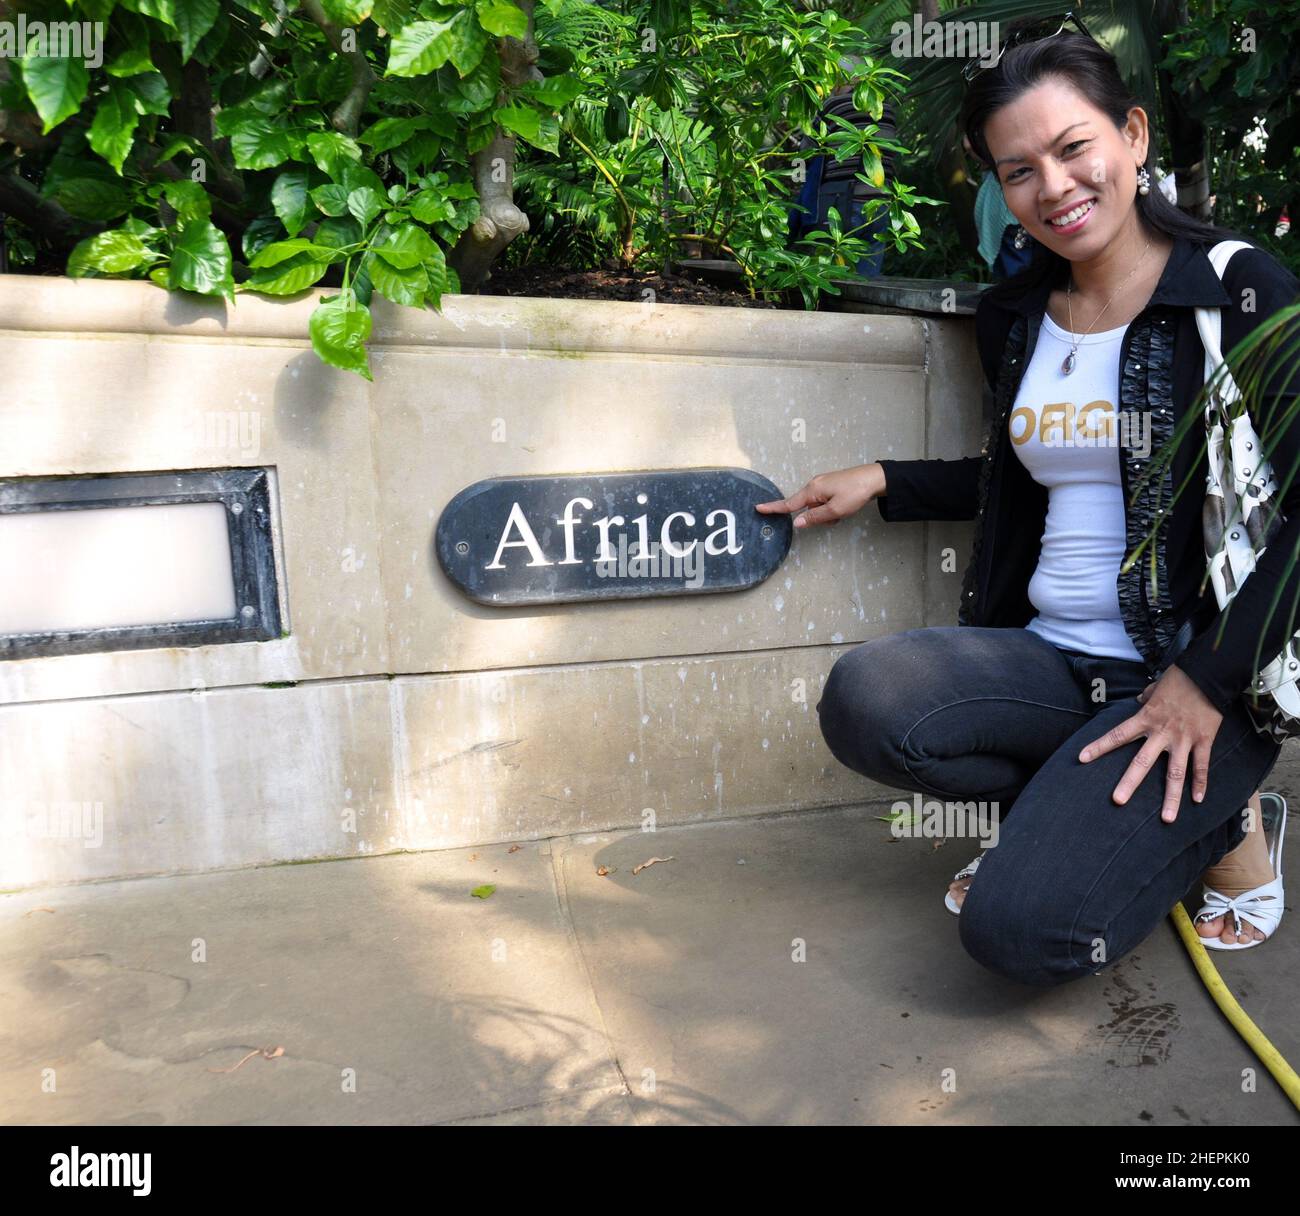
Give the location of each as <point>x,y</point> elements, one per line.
<point>1067,366</point>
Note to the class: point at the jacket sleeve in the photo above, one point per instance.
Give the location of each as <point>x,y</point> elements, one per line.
<point>943,489</point>
<point>1224,672</point>
<point>930,489</point>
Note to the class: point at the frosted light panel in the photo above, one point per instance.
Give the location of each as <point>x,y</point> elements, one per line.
<point>114,566</point>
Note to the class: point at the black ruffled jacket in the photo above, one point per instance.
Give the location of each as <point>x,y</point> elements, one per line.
<point>1161,369</point>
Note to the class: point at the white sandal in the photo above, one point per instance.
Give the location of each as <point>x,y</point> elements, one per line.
<point>1261,906</point>
<point>964,872</point>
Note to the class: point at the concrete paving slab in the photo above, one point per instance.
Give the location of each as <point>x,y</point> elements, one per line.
<point>888,1020</point>
<point>444,1006</point>
<point>567,997</point>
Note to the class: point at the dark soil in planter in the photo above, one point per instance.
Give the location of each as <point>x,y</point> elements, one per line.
<point>557,282</point>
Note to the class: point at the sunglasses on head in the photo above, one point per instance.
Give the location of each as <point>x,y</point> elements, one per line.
<point>1030,32</point>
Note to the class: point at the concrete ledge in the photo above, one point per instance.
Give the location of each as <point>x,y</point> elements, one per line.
<point>496,323</point>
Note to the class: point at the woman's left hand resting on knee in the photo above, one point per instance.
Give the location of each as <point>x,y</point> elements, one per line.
<point>1176,717</point>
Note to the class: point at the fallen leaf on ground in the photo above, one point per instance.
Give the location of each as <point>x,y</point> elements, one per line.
<point>31,910</point>
<point>604,870</point>
<point>642,866</point>
<point>514,848</point>
<point>484,891</point>
<point>267,1053</point>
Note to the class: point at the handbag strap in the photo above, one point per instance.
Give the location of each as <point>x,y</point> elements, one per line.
<point>1209,324</point>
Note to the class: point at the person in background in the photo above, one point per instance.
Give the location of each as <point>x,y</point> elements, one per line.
<point>831,183</point>
<point>996,227</point>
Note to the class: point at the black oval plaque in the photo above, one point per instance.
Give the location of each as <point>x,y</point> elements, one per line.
<point>597,536</point>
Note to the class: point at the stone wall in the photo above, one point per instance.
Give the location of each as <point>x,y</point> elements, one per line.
<point>396,713</point>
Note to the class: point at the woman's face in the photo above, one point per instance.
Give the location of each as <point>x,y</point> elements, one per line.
<point>1057,153</point>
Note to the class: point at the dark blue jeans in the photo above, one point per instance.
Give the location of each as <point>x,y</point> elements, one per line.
<point>1075,881</point>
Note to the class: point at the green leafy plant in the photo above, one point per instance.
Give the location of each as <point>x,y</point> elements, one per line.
<point>264,147</point>
<point>686,137</point>
<point>372,146</point>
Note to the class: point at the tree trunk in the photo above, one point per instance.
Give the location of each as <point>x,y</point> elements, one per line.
<point>500,220</point>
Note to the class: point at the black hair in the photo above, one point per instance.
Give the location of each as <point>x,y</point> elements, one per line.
<point>1091,69</point>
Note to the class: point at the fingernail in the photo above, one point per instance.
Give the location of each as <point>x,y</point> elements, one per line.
<point>798,523</point>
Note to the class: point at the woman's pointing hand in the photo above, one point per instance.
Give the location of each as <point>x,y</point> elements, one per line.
<point>831,497</point>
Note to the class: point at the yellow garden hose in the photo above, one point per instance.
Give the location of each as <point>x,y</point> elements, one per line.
<point>1272,1059</point>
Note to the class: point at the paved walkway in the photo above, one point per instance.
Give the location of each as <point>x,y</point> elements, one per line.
<point>670,996</point>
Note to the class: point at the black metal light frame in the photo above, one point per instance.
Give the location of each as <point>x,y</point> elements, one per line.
<point>246,496</point>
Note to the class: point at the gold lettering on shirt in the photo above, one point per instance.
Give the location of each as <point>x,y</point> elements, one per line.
<point>1059,415</point>
<point>1061,424</point>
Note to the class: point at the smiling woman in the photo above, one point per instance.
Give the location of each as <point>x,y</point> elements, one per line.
<point>1084,691</point>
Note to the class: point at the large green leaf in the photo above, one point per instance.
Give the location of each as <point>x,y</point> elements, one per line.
<point>408,246</point>
<point>420,48</point>
<point>347,12</point>
<point>389,133</point>
<point>339,328</point>
<point>287,278</point>
<point>522,120</point>
<point>201,261</point>
<point>161,10</point>
<point>108,253</point>
<point>282,251</point>
<point>365,203</point>
<point>92,198</point>
<point>258,143</point>
<point>402,286</point>
<point>57,87</point>
<point>331,199</point>
<point>290,200</point>
<point>430,206</point>
<point>189,199</point>
<point>151,92</point>
<point>193,19</point>
<point>113,131</point>
<point>555,92</point>
<point>468,42</point>
<point>500,17</point>
<point>333,153</point>
<point>392,15</point>
<point>441,277</point>
<point>135,56</point>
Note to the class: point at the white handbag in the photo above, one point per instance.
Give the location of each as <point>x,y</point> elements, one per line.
<point>1238,521</point>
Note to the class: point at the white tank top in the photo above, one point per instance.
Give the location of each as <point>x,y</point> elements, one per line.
<point>1065,431</point>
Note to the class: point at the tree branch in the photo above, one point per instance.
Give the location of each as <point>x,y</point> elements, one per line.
<point>347,113</point>
<point>20,199</point>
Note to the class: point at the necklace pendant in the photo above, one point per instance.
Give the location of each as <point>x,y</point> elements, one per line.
<point>1068,366</point>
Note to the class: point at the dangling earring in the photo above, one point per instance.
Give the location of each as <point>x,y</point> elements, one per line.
<point>1021,239</point>
<point>1144,181</point>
